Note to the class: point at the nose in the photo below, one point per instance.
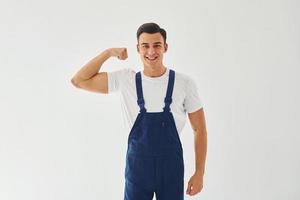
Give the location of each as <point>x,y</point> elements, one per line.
<point>151,51</point>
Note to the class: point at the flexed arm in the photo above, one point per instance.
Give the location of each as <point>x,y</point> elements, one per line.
<point>89,77</point>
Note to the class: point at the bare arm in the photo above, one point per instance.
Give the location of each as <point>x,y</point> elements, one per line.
<point>197,120</point>
<point>89,77</point>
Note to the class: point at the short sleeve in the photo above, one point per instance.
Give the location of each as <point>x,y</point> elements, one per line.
<point>192,101</point>
<point>116,79</point>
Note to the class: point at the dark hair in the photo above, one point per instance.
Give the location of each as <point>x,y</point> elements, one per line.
<point>151,28</point>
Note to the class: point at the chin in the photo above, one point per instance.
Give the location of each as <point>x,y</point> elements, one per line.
<point>152,65</point>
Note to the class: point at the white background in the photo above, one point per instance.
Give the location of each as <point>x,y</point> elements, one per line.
<point>58,142</point>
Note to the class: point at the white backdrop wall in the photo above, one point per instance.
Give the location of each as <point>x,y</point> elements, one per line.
<point>58,142</point>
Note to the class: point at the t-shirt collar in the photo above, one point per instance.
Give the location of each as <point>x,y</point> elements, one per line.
<point>162,77</point>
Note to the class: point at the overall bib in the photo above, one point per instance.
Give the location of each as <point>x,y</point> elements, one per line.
<point>154,159</point>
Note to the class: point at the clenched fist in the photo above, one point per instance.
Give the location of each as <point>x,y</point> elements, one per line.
<point>120,53</point>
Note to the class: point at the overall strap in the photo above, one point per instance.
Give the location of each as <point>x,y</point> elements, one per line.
<point>168,98</point>
<point>139,92</point>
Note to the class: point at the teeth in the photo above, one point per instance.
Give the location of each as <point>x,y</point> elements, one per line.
<point>151,58</point>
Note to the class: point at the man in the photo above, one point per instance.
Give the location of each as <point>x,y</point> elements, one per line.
<point>156,101</point>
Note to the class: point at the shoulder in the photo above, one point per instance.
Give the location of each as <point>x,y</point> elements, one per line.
<point>186,84</point>
<point>122,72</point>
<point>192,100</point>
<point>121,75</point>
<point>119,79</point>
<point>182,78</point>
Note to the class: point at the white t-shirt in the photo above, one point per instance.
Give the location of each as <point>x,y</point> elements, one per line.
<point>185,97</point>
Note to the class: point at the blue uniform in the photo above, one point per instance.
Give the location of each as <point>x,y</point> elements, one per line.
<point>154,159</point>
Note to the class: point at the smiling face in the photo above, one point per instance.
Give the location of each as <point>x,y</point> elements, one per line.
<point>151,47</point>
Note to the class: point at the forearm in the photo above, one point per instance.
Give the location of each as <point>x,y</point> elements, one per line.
<point>93,66</point>
<point>200,147</point>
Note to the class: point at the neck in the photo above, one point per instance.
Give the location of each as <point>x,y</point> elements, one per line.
<point>154,72</point>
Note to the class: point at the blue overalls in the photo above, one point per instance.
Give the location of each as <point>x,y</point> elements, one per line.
<point>154,159</point>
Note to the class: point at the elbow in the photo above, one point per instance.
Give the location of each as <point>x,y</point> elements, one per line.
<point>74,82</point>
<point>200,131</point>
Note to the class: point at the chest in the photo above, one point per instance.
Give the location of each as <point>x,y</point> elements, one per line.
<point>154,95</point>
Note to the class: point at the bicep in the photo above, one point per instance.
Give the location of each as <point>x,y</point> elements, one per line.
<point>197,120</point>
<point>98,83</point>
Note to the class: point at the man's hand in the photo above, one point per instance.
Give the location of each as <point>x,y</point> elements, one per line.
<point>195,184</point>
<point>120,53</point>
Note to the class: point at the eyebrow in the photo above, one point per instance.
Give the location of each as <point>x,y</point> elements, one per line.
<point>154,43</point>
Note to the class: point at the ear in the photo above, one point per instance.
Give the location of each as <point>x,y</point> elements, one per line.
<point>137,48</point>
<point>166,47</point>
